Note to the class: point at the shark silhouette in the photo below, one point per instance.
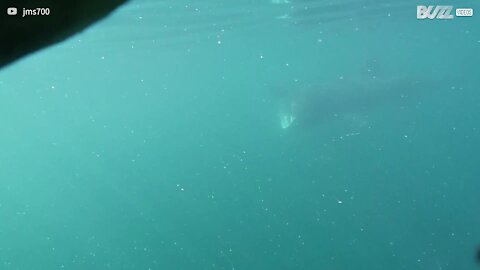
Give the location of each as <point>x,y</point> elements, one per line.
<point>307,106</point>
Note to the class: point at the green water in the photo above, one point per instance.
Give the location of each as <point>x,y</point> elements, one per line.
<point>153,141</point>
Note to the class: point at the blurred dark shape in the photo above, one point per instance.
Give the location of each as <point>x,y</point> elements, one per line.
<point>23,35</point>
<point>477,255</point>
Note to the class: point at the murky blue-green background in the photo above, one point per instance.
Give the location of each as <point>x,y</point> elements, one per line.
<point>153,140</point>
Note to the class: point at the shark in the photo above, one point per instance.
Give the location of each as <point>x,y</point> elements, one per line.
<point>303,106</point>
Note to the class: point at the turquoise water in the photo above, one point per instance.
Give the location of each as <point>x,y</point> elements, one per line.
<point>153,140</point>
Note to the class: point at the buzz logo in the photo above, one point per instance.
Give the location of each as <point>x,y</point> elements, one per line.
<point>434,12</point>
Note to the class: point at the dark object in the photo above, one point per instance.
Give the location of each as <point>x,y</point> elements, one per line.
<point>23,35</point>
<point>477,256</point>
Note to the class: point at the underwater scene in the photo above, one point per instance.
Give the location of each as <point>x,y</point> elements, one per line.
<point>247,135</point>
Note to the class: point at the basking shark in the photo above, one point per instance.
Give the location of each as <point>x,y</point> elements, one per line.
<point>22,32</point>
<point>343,99</point>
